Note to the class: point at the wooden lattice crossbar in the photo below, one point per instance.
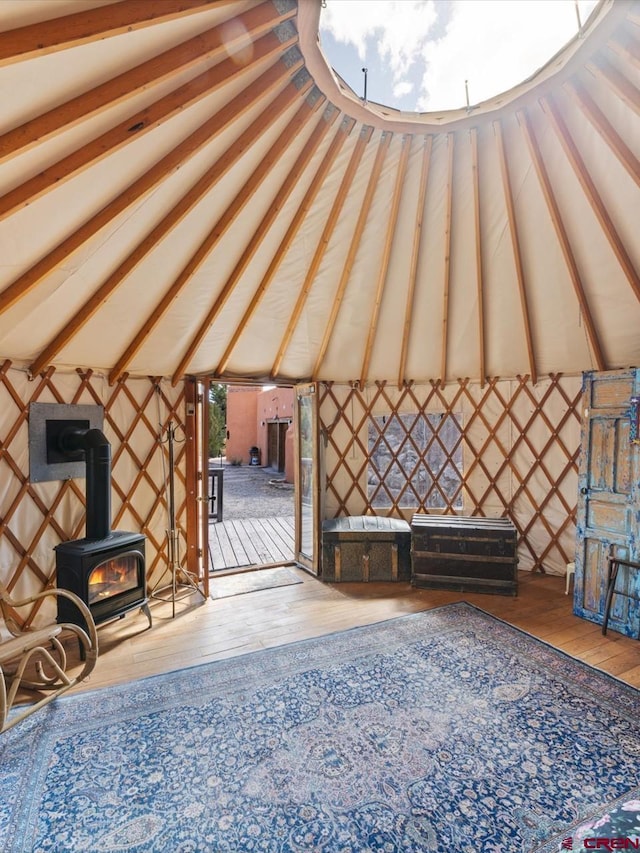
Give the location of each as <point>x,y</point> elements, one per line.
<point>34,517</point>
<point>520,445</point>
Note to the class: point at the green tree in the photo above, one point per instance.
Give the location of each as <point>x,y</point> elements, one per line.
<point>217,419</point>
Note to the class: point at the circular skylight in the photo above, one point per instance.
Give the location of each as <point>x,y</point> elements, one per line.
<point>432,55</point>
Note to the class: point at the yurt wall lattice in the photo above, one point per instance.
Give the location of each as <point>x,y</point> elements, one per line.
<point>34,517</point>
<point>508,448</point>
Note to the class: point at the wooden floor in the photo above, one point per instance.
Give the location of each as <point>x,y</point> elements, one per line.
<point>250,541</point>
<point>210,630</point>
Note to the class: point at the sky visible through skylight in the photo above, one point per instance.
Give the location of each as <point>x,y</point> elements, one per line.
<point>425,55</point>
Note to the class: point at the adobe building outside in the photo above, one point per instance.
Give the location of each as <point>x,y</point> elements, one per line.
<point>261,418</point>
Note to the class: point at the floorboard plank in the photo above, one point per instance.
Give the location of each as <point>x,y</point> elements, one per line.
<point>238,541</point>
<point>248,542</point>
<point>227,627</point>
<point>277,538</point>
<point>264,530</point>
<point>227,554</point>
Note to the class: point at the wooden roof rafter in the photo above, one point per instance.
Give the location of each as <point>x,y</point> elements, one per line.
<point>563,238</point>
<point>182,207</point>
<point>208,46</point>
<point>58,287</point>
<point>293,177</point>
<point>267,82</point>
<point>383,147</point>
<point>415,256</point>
<point>604,127</point>
<point>591,193</point>
<point>625,46</point>
<point>475,179</point>
<point>91,25</point>
<point>392,220</point>
<point>517,254</point>
<point>345,185</point>
<point>447,256</point>
<point>277,150</point>
<point>617,82</point>
<point>345,128</point>
<point>156,114</point>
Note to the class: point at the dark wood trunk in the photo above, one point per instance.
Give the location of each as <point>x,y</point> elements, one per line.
<point>465,554</point>
<point>366,548</point>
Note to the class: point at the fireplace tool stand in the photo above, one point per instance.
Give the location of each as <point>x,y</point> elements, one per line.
<point>178,589</point>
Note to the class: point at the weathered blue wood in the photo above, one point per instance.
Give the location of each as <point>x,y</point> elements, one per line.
<point>609,500</point>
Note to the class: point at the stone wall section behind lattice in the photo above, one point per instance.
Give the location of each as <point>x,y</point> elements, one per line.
<point>519,446</point>
<point>34,517</point>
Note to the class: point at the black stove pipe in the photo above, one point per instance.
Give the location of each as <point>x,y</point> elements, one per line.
<point>98,459</point>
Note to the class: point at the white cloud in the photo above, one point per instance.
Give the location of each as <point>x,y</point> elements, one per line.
<point>494,44</point>
<point>404,87</point>
<point>399,28</point>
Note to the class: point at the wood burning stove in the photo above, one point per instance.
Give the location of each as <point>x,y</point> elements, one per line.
<point>107,574</point>
<point>106,569</point>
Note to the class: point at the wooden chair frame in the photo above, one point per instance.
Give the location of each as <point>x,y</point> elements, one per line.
<point>44,650</point>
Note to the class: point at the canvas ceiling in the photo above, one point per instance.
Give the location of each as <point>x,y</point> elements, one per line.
<point>186,188</point>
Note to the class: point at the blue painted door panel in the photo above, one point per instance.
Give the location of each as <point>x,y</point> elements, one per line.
<point>608,501</point>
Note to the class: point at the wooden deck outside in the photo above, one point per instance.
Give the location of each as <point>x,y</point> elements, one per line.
<point>250,542</point>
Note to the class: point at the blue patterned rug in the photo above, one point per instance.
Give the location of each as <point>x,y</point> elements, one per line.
<point>446,730</point>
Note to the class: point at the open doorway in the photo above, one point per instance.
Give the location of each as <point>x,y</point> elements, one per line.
<point>251,477</point>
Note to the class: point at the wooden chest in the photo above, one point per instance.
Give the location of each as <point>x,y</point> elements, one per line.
<point>465,554</point>
<point>366,548</point>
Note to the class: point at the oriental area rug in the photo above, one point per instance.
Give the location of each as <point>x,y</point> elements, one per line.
<point>446,730</point>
